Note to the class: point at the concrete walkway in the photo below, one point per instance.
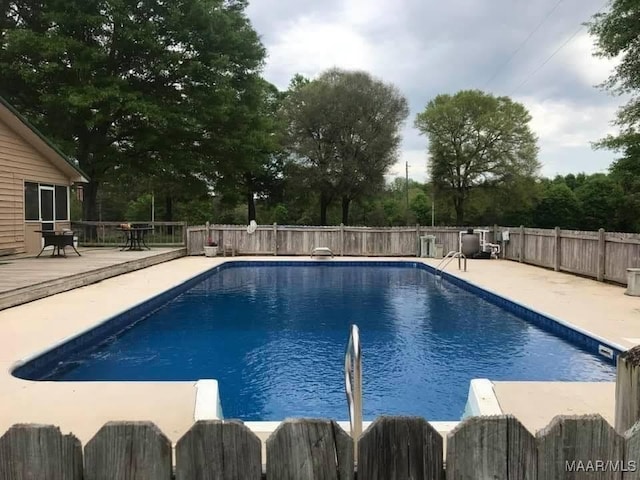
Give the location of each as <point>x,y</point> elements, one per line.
<point>82,408</point>
<point>599,308</point>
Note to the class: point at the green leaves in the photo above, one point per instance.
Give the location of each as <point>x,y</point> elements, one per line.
<point>344,126</point>
<point>150,87</point>
<point>475,138</point>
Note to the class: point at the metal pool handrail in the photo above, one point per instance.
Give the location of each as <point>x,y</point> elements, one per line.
<point>353,366</point>
<point>447,259</point>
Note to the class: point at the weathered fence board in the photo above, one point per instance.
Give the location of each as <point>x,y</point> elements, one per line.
<point>570,446</point>
<point>400,448</point>
<point>627,399</point>
<point>600,255</point>
<point>579,252</point>
<point>539,247</point>
<point>342,240</point>
<point>34,452</point>
<point>491,447</point>
<point>216,450</point>
<point>392,448</point>
<point>309,450</point>
<point>128,451</point>
<point>619,257</point>
<point>631,465</point>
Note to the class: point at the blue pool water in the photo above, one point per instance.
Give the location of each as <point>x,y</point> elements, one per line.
<point>274,337</point>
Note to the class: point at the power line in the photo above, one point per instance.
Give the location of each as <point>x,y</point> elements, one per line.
<point>531,34</point>
<point>566,42</point>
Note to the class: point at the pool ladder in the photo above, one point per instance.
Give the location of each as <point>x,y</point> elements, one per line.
<point>447,260</point>
<point>353,386</point>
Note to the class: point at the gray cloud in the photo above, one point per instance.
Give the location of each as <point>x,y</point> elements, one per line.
<point>428,48</point>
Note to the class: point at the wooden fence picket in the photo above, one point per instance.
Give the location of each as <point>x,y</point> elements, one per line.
<point>128,451</point>
<point>491,447</point>
<point>39,452</point>
<point>216,450</point>
<point>302,449</point>
<point>392,448</point>
<point>400,448</point>
<point>570,446</point>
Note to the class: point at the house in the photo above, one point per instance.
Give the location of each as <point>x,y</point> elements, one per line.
<point>35,179</point>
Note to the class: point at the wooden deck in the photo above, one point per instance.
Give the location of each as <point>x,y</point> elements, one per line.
<point>24,279</point>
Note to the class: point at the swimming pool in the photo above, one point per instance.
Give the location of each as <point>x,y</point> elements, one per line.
<point>273,334</point>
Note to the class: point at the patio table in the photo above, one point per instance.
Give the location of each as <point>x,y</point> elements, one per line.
<point>58,240</point>
<point>135,238</point>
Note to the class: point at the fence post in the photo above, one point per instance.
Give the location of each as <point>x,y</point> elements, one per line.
<point>556,250</point>
<point>185,235</point>
<point>495,233</point>
<point>342,239</point>
<point>601,254</point>
<point>275,239</point>
<point>521,253</point>
<point>417,239</point>
<point>627,403</point>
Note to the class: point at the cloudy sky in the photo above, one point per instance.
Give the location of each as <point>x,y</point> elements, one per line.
<point>427,47</point>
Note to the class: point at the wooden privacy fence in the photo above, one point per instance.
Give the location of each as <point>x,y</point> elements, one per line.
<point>392,448</point>
<point>301,240</point>
<point>600,255</point>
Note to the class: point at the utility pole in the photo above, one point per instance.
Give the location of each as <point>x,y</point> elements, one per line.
<point>433,205</point>
<point>407,185</point>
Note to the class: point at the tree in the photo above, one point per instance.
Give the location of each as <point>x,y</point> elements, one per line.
<point>475,138</point>
<point>254,159</point>
<point>601,199</point>
<point>345,127</point>
<point>616,32</point>
<point>559,207</point>
<point>146,86</point>
<point>420,206</point>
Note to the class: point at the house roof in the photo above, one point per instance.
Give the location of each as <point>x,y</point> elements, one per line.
<point>42,144</point>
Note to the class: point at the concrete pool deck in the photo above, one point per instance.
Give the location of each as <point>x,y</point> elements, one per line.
<point>83,407</point>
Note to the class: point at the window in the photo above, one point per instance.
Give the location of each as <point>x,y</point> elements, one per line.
<point>31,201</point>
<point>46,203</point>
<point>61,203</point>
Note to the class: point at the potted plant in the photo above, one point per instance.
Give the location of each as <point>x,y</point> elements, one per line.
<point>211,248</point>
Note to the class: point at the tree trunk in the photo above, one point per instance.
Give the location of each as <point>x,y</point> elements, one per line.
<point>168,208</point>
<point>324,205</point>
<point>458,203</point>
<point>90,189</point>
<point>345,210</point>
<point>90,202</point>
<point>251,207</point>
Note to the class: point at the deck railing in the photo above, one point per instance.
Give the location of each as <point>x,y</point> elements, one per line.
<point>107,234</point>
